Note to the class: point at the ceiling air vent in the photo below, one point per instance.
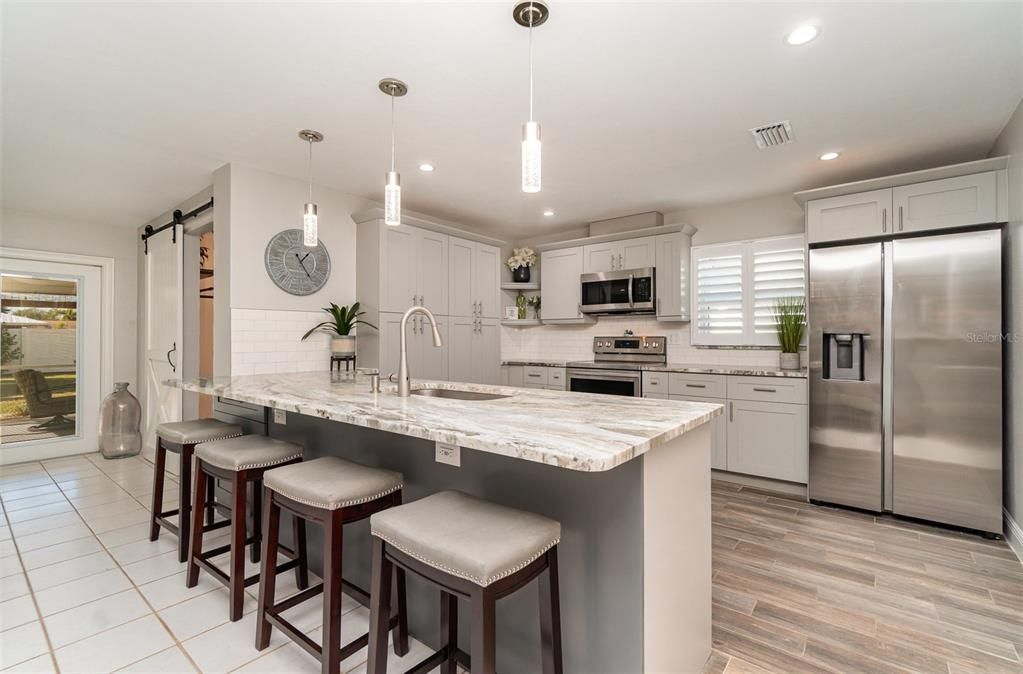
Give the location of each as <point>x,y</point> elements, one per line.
<point>770,135</point>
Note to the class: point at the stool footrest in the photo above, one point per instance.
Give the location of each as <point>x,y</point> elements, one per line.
<point>430,662</point>
<point>313,648</point>
<point>297,599</point>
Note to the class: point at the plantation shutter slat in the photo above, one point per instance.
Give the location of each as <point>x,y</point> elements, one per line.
<point>778,270</point>
<point>719,296</point>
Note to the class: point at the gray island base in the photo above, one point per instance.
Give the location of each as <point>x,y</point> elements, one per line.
<point>629,480</point>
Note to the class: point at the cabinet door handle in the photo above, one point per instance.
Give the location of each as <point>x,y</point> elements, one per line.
<point>884,219</point>
<point>655,382</point>
<point>696,386</point>
<point>731,411</point>
<point>900,218</point>
<point>765,390</point>
<point>619,260</point>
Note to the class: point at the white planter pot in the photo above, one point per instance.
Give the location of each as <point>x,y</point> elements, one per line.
<point>343,346</point>
<point>788,361</point>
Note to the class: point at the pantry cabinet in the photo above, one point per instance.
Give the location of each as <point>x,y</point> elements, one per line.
<point>476,343</point>
<point>426,361</point>
<point>410,275</point>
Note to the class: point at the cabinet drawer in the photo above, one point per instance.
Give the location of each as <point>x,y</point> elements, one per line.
<point>704,385</point>
<point>556,378</point>
<point>767,389</point>
<point>655,382</point>
<point>534,375</point>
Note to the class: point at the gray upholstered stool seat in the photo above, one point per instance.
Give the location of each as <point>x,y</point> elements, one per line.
<point>196,431</point>
<point>331,483</point>
<point>247,452</point>
<point>465,536</point>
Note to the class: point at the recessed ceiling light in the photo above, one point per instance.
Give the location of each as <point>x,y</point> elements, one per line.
<point>548,213</point>
<point>802,34</point>
<point>828,156</point>
<point>426,168</point>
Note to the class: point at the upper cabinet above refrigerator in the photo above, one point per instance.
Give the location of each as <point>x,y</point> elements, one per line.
<point>905,204</point>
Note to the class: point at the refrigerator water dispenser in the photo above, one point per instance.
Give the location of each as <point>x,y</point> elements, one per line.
<point>843,356</point>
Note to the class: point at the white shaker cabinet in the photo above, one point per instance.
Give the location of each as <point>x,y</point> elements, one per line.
<point>768,439</point>
<point>561,291</point>
<point>399,258</point>
<point>672,253</point>
<point>425,361</point>
<point>474,279</point>
<point>851,216</point>
<point>475,348</point>
<point>600,257</point>
<point>620,255</point>
<point>431,265</point>
<point>951,202</point>
<point>719,428</point>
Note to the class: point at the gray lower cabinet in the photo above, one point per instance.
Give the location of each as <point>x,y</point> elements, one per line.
<point>719,428</point>
<point>534,376</point>
<point>768,439</point>
<point>475,348</point>
<point>425,361</point>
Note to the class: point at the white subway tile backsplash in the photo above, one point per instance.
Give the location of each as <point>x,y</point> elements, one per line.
<point>269,341</point>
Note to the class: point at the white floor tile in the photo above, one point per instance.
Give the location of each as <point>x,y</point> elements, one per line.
<point>171,590</point>
<point>28,492</point>
<point>5,531</point>
<point>42,664</point>
<point>125,518</point>
<point>111,496</point>
<point>144,549</point>
<point>34,526</point>
<point>128,534</point>
<point>53,537</point>
<point>88,487</point>
<point>61,552</point>
<point>34,502</point>
<point>115,648</point>
<point>83,621</point>
<point>171,661</point>
<point>81,591</point>
<point>9,566</point>
<point>147,570</point>
<point>417,652</point>
<point>209,653</point>
<point>18,611</point>
<point>13,586</point>
<point>18,483</point>
<point>7,548</point>
<point>290,659</point>
<point>22,643</point>
<point>40,511</point>
<point>72,569</point>
<point>202,613</point>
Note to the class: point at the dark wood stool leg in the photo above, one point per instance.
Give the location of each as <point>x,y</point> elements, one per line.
<point>302,570</point>
<point>238,534</point>
<point>379,610</point>
<point>257,522</point>
<point>185,501</point>
<point>482,651</point>
<point>158,473</point>
<point>401,609</point>
<point>211,498</point>
<point>268,570</point>
<point>448,630</point>
<point>195,544</point>
<point>550,616</point>
<point>333,535</point>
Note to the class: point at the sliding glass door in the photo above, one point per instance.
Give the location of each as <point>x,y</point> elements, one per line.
<point>50,359</point>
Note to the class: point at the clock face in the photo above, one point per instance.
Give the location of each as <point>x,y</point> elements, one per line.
<point>296,269</point>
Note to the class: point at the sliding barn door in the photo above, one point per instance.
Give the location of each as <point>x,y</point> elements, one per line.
<point>164,297</point>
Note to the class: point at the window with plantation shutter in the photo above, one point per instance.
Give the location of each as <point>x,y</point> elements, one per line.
<point>719,294</point>
<point>736,285</point>
<point>778,270</point>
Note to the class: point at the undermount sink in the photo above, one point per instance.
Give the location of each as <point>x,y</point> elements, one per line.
<point>456,395</point>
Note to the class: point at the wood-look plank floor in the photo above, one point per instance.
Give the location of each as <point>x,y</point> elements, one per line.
<point>805,588</point>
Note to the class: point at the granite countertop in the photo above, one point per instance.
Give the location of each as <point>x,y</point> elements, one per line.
<point>735,370</point>
<point>578,431</point>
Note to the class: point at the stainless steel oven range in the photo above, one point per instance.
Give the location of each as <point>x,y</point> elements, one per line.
<point>616,368</point>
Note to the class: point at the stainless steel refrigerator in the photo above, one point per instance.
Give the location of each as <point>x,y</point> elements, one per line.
<point>906,377</point>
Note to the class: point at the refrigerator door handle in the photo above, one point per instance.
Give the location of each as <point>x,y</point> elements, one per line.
<point>884,219</point>
<point>900,218</point>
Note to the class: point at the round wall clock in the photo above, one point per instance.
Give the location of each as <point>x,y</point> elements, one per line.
<point>295,268</point>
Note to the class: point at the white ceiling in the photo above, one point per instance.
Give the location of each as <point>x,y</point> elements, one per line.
<point>113,113</point>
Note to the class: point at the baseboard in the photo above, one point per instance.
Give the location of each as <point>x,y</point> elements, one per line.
<point>1013,534</point>
<point>792,488</point>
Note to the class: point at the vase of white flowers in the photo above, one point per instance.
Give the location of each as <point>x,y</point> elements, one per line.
<point>520,262</point>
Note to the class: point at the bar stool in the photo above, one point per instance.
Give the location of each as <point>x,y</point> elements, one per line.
<point>241,461</point>
<point>470,549</point>
<point>181,437</point>
<point>332,492</point>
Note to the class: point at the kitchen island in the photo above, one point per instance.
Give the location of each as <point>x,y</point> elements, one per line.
<point>628,478</point>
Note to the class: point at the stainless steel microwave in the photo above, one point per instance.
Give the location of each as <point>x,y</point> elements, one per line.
<point>619,292</point>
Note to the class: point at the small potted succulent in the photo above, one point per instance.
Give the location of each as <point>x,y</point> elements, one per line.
<point>520,262</point>
<point>790,314</point>
<point>343,321</point>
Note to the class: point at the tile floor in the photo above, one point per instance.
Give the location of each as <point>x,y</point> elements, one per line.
<point>82,589</point>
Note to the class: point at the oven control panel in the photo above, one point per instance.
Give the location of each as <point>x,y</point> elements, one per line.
<point>653,346</point>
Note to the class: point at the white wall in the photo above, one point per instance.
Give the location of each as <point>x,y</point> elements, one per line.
<point>773,215</point>
<point>21,230</point>
<point>1010,142</point>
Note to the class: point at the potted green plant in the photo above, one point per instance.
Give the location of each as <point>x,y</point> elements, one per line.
<point>343,321</point>
<point>534,302</point>
<point>520,262</point>
<point>790,314</point>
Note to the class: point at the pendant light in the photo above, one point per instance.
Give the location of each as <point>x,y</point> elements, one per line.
<point>392,181</point>
<point>310,234</point>
<point>529,14</point>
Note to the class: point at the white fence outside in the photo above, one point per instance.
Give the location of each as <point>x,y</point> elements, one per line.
<point>42,348</point>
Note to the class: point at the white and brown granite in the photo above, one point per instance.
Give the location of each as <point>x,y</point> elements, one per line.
<point>735,370</point>
<point>578,431</point>
<point>534,362</point>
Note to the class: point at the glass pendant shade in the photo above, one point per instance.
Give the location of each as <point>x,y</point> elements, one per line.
<point>392,199</point>
<point>531,157</point>
<point>309,229</point>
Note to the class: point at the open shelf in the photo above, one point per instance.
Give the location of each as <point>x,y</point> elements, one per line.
<point>521,323</point>
<point>520,286</point>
